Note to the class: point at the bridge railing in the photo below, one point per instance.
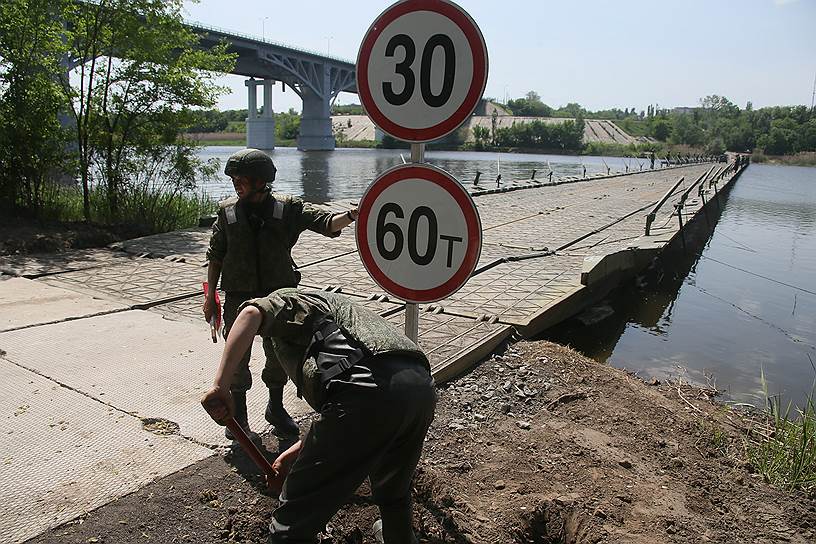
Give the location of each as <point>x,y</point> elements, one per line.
<point>650,217</point>
<point>203,26</point>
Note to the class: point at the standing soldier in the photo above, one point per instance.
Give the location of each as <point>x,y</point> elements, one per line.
<point>251,251</point>
<point>373,389</point>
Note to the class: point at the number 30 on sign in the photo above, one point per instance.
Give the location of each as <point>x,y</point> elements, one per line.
<point>421,69</point>
<point>418,233</point>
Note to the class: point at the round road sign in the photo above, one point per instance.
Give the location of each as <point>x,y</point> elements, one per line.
<point>421,69</point>
<point>418,233</point>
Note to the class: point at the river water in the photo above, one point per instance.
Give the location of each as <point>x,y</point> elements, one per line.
<point>322,176</point>
<point>739,304</point>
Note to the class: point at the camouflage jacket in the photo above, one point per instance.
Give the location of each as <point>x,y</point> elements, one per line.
<point>291,316</point>
<point>256,250</point>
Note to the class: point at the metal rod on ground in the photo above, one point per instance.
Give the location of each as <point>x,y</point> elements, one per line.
<point>411,309</point>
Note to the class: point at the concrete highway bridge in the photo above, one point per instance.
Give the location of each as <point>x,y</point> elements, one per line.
<point>316,78</point>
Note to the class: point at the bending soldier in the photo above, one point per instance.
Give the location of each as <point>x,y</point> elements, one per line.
<point>251,250</point>
<point>373,389</point>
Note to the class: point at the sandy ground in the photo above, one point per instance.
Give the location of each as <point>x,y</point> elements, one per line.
<point>536,445</point>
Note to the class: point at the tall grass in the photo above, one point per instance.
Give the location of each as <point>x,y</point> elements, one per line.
<point>804,158</point>
<point>611,149</point>
<point>785,455</point>
<point>153,209</point>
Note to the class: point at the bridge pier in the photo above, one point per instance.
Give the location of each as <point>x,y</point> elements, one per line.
<point>260,129</point>
<point>315,122</point>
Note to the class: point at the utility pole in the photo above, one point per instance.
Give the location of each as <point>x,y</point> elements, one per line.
<point>263,28</point>
<point>813,97</point>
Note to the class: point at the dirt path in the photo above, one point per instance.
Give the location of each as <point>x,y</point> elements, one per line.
<point>536,445</point>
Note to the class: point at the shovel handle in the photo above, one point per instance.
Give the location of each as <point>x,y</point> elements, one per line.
<point>251,448</point>
<point>246,443</point>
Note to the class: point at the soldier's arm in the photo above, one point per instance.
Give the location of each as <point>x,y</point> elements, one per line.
<point>215,258</point>
<point>322,222</point>
<point>339,221</point>
<point>238,342</point>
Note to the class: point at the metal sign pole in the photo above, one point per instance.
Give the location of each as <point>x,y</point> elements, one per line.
<point>411,309</point>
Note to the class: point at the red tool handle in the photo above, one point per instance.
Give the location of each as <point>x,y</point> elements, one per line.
<point>251,448</point>
<point>246,443</point>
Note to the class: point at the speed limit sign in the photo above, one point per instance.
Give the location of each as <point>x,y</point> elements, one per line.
<point>418,233</point>
<point>421,69</point>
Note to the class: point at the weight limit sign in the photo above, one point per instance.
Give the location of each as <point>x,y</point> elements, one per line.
<point>421,69</point>
<point>418,233</point>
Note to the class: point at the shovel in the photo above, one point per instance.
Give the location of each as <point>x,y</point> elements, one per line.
<point>249,446</point>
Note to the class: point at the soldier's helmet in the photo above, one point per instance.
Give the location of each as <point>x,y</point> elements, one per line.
<point>252,163</point>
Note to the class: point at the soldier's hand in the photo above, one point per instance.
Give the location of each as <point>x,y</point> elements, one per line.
<point>208,308</point>
<point>218,404</point>
<point>275,483</point>
<point>281,465</point>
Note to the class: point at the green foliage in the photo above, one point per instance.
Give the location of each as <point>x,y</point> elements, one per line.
<point>530,106</point>
<point>389,142</point>
<point>481,137</point>
<point>610,149</point>
<point>151,209</point>
<point>287,125</point>
<point>660,130</point>
<point>348,109</point>
<point>140,79</point>
<point>32,142</point>
<point>566,135</point>
<point>571,110</point>
<point>207,121</point>
<point>786,455</point>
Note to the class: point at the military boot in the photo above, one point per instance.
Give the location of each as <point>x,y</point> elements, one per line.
<point>239,400</point>
<point>278,417</point>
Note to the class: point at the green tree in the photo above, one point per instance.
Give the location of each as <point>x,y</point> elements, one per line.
<point>531,105</point>
<point>287,125</point>
<point>481,136</point>
<point>32,142</point>
<point>661,130</point>
<point>779,141</point>
<point>140,76</point>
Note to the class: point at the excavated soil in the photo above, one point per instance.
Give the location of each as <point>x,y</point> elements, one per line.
<point>23,235</point>
<point>536,445</point>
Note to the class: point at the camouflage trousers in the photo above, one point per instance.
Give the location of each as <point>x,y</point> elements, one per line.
<point>273,374</point>
<point>362,432</point>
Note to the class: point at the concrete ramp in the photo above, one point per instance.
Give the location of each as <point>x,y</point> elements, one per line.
<point>136,362</point>
<point>64,453</point>
<point>24,303</point>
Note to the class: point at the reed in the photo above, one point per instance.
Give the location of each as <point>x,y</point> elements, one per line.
<point>785,453</point>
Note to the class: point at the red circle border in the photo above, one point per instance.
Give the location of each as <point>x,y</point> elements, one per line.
<point>474,227</point>
<point>477,85</point>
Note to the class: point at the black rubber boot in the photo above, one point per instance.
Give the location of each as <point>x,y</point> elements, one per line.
<point>278,417</point>
<point>239,399</point>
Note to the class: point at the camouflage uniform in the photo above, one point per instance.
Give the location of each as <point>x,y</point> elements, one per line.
<point>254,244</point>
<point>373,415</point>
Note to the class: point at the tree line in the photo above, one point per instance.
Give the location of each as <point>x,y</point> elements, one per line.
<point>715,126</point>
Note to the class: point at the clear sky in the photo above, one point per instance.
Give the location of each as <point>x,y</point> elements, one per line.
<point>601,54</point>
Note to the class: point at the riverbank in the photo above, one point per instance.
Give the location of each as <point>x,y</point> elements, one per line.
<point>23,236</point>
<point>536,444</point>
<point>798,159</point>
<point>601,149</point>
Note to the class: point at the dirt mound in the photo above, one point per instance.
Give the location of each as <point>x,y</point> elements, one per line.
<point>536,445</point>
<point>23,236</point>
